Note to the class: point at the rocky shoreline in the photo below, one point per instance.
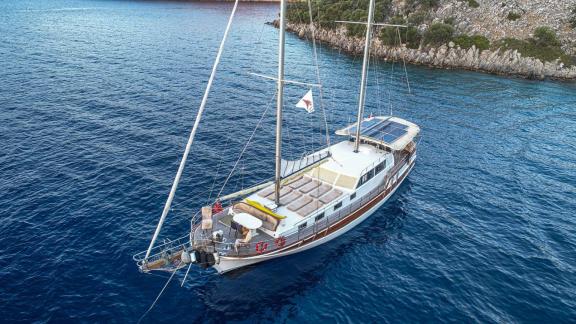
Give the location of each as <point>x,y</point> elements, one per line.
<point>502,62</point>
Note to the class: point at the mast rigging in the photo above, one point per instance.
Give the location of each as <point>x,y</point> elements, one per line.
<point>192,134</point>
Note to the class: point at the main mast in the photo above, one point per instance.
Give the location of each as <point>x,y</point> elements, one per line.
<point>279,101</point>
<point>365,62</point>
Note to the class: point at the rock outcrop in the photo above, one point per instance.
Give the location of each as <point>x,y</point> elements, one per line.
<point>490,19</point>
<point>507,62</point>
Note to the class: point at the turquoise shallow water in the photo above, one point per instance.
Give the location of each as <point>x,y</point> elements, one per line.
<point>97,99</point>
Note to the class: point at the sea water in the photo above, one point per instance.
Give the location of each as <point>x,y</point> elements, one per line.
<point>97,99</point>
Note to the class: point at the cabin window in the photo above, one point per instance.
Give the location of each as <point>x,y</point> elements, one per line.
<point>367,176</point>
<point>338,205</point>
<point>319,217</point>
<point>363,180</point>
<point>302,226</point>
<point>380,167</point>
<point>370,174</point>
<point>352,196</point>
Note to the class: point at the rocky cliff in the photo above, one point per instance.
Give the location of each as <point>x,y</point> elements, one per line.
<point>528,38</point>
<point>497,19</point>
<point>507,62</point>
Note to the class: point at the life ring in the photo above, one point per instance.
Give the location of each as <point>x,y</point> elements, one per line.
<point>261,247</point>
<point>280,242</point>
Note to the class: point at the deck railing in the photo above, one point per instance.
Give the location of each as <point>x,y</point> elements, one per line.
<point>164,250</point>
<point>319,227</point>
<point>294,238</point>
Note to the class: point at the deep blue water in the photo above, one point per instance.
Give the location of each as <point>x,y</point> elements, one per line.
<point>96,102</point>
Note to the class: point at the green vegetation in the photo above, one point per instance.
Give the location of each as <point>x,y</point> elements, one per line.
<point>438,34</point>
<point>393,36</point>
<point>450,21</point>
<point>544,46</point>
<point>417,18</point>
<point>326,12</point>
<point>424,4</point>
<point>545,37</point>
<point>573,17</point>
<point>513,16</point>
<point>473,4</point>
<point>465,41</point>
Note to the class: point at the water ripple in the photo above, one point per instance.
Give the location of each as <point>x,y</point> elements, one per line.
<point>97,102</point>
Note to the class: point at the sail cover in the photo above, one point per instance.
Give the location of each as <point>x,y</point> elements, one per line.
<point>307,102</point>
<point>291,167</point>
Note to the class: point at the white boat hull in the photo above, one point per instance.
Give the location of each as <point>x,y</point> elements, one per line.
<point>226,264</point>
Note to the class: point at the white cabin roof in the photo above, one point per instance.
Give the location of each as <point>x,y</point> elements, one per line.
<point>345,161</point>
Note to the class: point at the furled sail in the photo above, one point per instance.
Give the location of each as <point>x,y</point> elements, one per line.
<point>291,167</point>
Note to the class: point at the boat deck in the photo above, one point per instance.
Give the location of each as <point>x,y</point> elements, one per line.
<point>221,223</point>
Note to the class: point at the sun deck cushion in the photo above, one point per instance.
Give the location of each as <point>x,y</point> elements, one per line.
<point>268,222</point>
<point>266,191</point>
<point>286,199</point>
<point>310,186</point>
<point>299,203</point>
<point>310,207</point>
<point>299,183</point>
<point>283,192</point>
<point>291,181</point>
<point>333,194</point>
<point>324,188</point>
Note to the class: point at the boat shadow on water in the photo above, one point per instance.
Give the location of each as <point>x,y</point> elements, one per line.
<point>268,287</point>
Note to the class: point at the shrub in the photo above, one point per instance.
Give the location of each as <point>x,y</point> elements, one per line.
<point>297,14</point>
<point>465,41</point>
<point>450,21</point>
<point>357,29</point>
<point>573,17</point>
<point>546,37</point>
<point>424,4</point>
<point>326,12</point>
<point>409,36</point>
<point>513,16</point>
<point>530,48</point>
<point>473,4</point>
<point>417,18</point>
<point>413,37</point>
<point>438,33</point>
<point>427,4</point>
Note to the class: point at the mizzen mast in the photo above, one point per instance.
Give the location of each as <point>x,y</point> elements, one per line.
<point>365,62</point>
<point>279,102</point>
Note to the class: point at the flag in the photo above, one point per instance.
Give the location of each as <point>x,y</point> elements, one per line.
<point>307,102</point>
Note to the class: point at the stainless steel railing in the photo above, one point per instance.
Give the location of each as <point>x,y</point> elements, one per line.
<point>297,235</point>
